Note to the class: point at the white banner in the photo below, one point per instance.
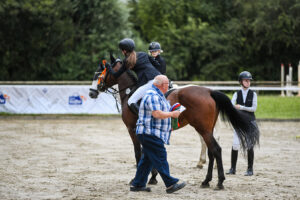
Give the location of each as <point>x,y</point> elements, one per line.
<point>54,99</point>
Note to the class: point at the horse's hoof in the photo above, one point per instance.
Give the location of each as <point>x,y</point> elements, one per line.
<point>202,161</point>
<point>219,187</point>
<point>205,185</point>
<point>199,166</point>
<point>152,182</point>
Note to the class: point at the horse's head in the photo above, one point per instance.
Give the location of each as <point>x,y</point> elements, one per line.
<point>105,79</point>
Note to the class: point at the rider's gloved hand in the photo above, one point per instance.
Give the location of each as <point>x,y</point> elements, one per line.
<point>93,93</point>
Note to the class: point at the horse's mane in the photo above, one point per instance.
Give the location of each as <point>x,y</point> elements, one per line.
<point>132,76</point>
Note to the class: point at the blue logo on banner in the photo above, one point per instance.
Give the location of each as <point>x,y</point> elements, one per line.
<point>75,100</point>
<point>3,98</point>
<point>45,90</point>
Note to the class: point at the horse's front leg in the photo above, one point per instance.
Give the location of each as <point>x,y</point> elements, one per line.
<point>136,146</point>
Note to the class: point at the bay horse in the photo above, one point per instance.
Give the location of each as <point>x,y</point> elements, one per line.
<point>202,109</point>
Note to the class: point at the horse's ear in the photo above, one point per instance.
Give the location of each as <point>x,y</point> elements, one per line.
<point>112,59</point>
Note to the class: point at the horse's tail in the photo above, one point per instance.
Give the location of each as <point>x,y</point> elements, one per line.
<point>247,131</point>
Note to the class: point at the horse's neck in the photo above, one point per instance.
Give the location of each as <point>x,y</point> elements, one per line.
<point>125,84</point>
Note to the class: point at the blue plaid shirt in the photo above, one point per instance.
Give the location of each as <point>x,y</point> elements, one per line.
<point>147,124</point>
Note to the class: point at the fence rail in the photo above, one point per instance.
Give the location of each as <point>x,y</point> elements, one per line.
<point>217,85</point>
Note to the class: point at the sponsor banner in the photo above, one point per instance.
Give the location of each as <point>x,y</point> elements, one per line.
<point>54,99</point>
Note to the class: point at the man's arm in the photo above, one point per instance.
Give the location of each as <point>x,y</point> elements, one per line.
<point>163,115</point>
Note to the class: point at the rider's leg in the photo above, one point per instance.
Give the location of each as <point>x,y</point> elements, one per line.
<point>137,95</point>
<point>234,153</point>
<point>249,171</point>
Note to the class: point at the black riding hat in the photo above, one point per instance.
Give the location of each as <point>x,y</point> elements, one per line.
<point>245,75</point>
<point>154,46</point>
<point>127,44</point>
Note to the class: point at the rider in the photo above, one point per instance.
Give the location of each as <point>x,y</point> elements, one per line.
<point>155,51</point>
<point>142,64</point>
<point>246,101</point>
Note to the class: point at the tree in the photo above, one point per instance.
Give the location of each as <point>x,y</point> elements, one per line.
<point>58,40</point>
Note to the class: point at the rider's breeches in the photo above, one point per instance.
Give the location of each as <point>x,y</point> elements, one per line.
<point>236,142</point>
<point>140,92</point>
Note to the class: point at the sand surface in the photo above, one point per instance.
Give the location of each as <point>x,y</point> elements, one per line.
<point>93,158</point>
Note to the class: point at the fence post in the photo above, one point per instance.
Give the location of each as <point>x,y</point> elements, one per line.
<point>289,80</point>
<point>299,78</point>
<point>282,78</point>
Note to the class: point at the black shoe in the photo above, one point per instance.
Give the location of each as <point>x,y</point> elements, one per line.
<point>231,171</point>
<point>140,189</point>
<point>175,187</point>
<point>249,172</point>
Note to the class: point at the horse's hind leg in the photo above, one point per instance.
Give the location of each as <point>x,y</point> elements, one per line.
<point>205,183</point>
<point>218,156</point>
<point>202,159</point>
<point>214,151</point>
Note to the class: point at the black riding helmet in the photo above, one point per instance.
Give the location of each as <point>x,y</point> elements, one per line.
<point>127,44</point>
<point>245,75</point>
<point>154,46</point>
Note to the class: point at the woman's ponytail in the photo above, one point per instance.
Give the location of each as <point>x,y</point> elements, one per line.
<point>131,59</point>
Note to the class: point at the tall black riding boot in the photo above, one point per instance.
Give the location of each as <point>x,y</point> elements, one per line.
<point>134,108</point>
<point>249,171</point>
<point>234,156</point>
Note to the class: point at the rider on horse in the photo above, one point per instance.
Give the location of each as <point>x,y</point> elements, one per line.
<point>142,64</point>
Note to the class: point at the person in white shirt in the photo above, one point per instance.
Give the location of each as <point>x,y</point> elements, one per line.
<point>246,101</point>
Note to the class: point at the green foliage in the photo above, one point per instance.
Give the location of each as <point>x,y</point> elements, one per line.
<point>201,39</point>
<point>216,39</point>
<point>58,40</point>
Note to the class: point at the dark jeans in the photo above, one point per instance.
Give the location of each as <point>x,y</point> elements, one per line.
<point>154,155</point>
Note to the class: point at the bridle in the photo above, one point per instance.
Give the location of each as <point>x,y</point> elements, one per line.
<point>101,82</point>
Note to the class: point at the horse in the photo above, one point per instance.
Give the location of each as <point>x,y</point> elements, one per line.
<point>202,108</point>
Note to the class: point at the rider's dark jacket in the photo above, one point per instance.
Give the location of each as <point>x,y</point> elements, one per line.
<point>143,68</point>
<point>162,64</point>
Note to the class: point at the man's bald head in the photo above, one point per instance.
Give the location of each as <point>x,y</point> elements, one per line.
<point>162,83</point>
<point>160,80</point>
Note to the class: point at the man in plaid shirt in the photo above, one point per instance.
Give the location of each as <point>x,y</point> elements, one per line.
<point>153,131</point>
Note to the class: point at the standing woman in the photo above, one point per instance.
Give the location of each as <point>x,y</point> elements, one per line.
<point>246,101</point>
<point>142,64</point>
<point>155,51</point>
